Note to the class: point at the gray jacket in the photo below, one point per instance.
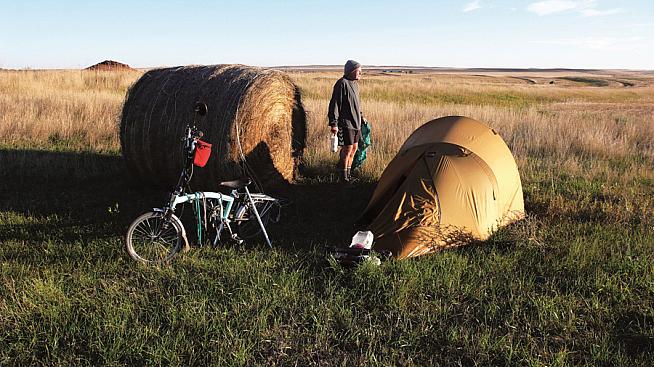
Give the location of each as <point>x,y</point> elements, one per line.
<point>345,107</point>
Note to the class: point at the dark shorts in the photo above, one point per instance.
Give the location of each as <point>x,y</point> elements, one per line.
<point>348,136</point>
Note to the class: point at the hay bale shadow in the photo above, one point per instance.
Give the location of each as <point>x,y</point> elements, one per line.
<point>59,192</point>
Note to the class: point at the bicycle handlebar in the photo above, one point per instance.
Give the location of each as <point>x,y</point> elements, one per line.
<point>190,138</point>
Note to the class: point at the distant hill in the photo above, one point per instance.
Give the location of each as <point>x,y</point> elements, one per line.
<point>109,65</point>
<point>431,69</point>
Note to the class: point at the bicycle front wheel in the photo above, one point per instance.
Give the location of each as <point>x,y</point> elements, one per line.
<point>153,239</point>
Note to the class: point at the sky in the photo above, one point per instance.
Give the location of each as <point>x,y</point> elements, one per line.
<point>583,34</point>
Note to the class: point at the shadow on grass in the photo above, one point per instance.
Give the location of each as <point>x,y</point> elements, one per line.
<point>631,332</point>
<point>69,196</point>
<point>48,195</point>
<point>322,212</point>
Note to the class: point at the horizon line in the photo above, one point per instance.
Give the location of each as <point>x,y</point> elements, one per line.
<point>371,66</point>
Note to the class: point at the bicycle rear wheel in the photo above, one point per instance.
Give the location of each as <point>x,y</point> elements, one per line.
<point>153,239</point>
<point>247,225</point>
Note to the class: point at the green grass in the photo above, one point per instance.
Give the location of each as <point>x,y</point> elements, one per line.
<point>498,98</point>
<point>573,284</point>
<point>588,81</point>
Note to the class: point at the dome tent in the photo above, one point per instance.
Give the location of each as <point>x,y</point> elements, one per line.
<point>453,180</point>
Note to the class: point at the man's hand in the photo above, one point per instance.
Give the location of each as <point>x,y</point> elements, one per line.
<point>334,129</point>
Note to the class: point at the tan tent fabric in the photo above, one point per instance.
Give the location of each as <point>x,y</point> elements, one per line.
<point>454,180</point>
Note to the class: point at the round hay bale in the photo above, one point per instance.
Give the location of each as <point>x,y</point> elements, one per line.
<point>256,123</point>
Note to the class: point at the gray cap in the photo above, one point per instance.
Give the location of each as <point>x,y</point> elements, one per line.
<point>350,65</point>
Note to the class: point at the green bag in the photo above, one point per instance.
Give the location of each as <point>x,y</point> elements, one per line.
<point>364,143</point>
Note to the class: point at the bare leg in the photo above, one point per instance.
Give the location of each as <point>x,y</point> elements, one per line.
<point>342,163</point>
<point>343,157</point>
<point>350,155</point>
<point>348,162</point>
<point>345,162</point>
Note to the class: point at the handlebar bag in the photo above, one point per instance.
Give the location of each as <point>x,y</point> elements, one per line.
<point>202,153</point>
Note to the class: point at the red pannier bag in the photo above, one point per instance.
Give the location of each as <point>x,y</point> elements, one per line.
<point>202,153</point>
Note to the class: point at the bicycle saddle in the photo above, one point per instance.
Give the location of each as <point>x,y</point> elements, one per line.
<point>237,184</point>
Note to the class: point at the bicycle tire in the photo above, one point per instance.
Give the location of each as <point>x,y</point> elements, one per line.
<point>152,239</point>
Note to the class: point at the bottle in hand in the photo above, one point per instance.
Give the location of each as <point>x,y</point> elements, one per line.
<point>333,140</point>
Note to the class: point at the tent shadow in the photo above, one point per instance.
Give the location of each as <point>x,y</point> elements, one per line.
<point>320,213</point>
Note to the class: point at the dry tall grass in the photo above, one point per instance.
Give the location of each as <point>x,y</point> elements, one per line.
<point>79,110</point>
<point>69,109</point>
<point>535,120</point>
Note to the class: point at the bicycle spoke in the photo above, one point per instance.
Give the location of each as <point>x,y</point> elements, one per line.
<point>169,241</point>
<point>156,227</point>
<point>163,248</point>
<point>142,232</point>
<point>148,226</point>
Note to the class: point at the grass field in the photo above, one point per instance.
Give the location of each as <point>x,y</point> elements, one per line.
<point>572,284</point>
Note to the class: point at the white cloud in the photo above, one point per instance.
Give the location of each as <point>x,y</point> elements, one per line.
<point>472,6</point>
<point>551,6</point>
<point>586,8</point>
<point>589,12</point>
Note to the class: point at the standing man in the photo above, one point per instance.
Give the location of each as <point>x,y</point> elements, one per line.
<point>345,116</point>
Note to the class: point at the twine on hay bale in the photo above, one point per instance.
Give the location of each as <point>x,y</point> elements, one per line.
<point>258,108</point>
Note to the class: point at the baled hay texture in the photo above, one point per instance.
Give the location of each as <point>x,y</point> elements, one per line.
<point>260,109</point>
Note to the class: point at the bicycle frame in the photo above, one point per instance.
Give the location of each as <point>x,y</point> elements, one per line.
<point>225,200</point>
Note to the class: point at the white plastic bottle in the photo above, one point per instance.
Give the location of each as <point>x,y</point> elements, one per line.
<point>333,140</point>
<point>362,239</point>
